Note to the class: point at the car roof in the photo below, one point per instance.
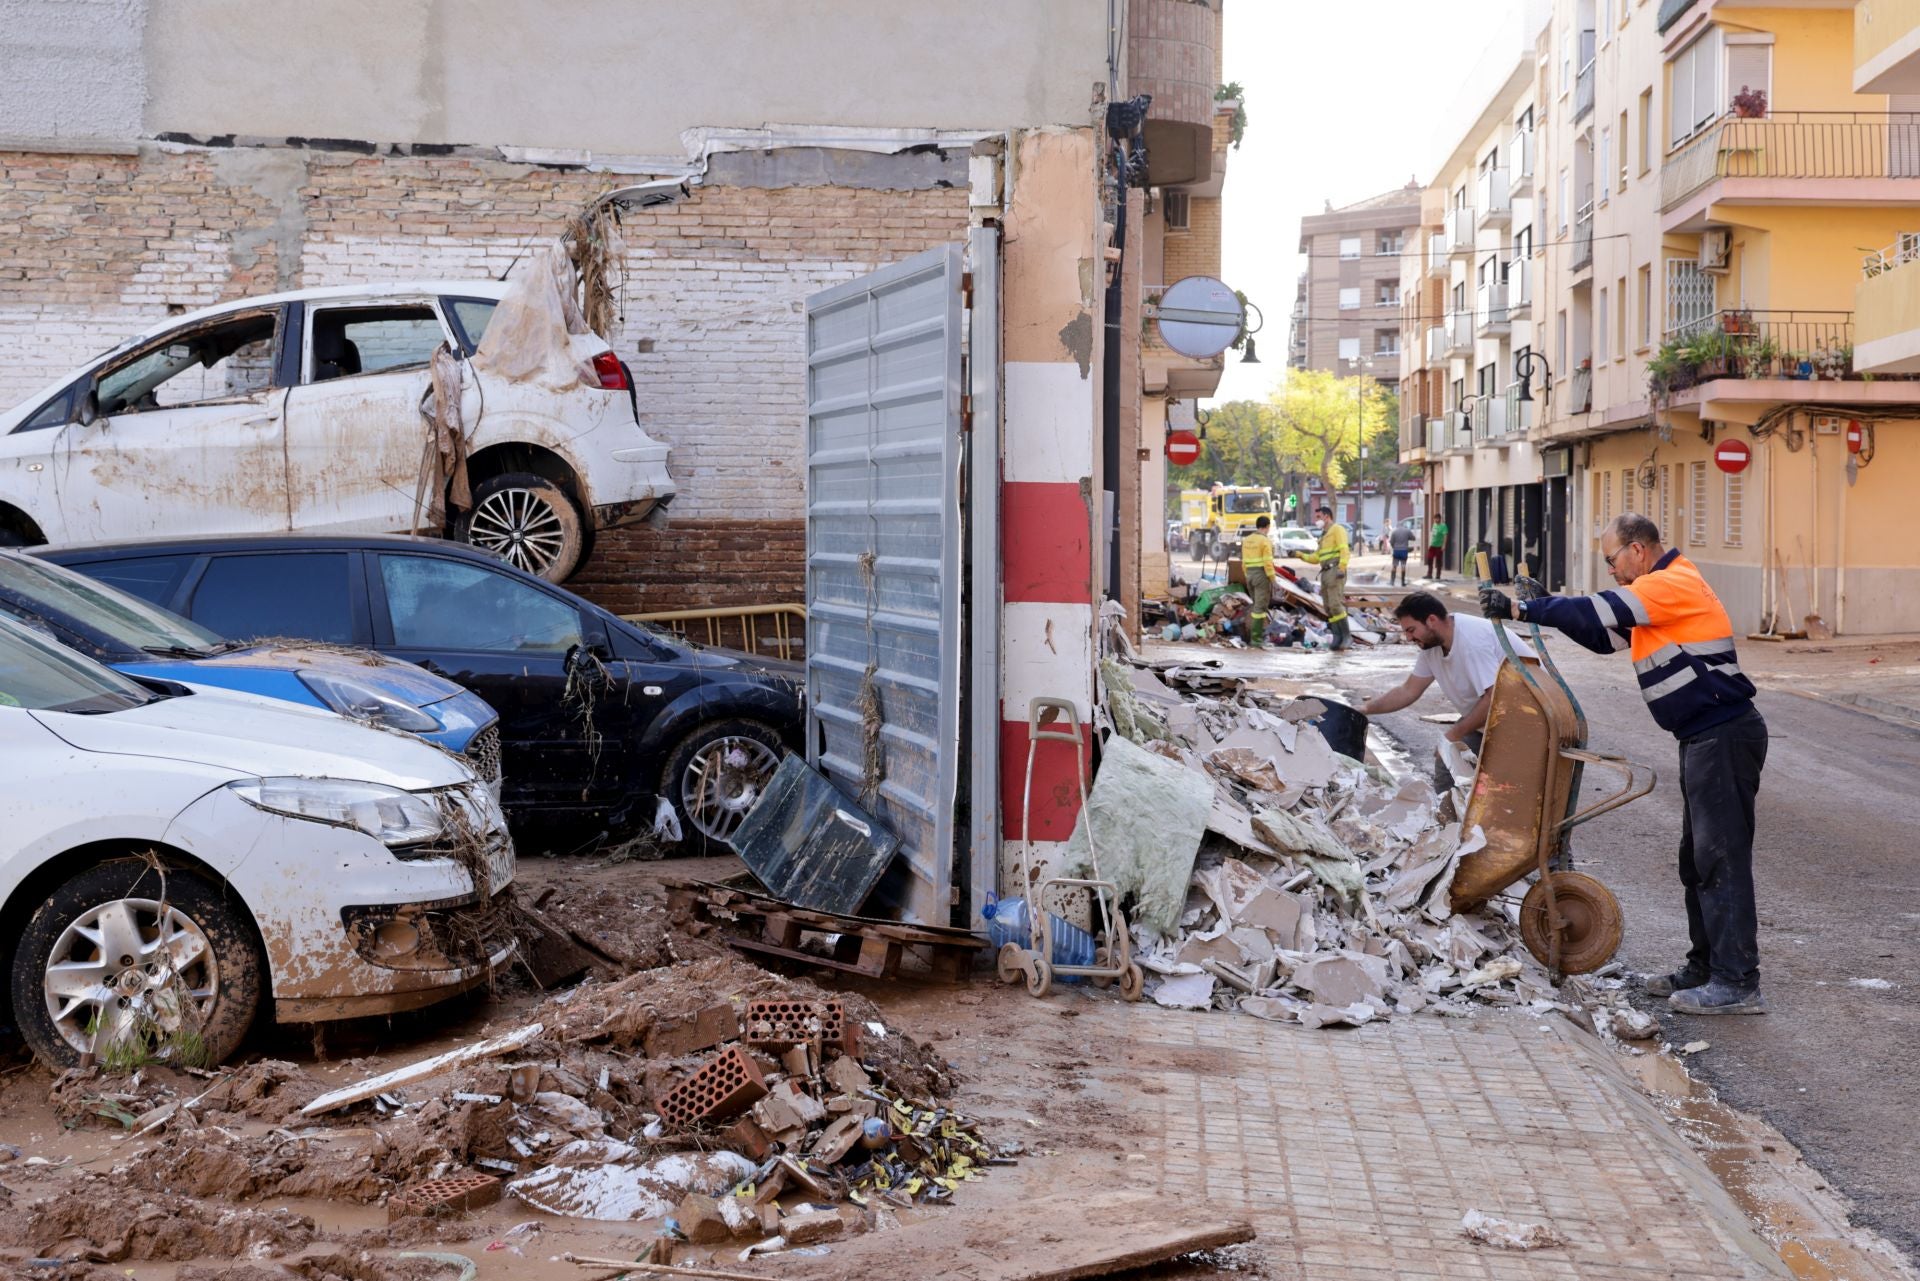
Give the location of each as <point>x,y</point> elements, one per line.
<point>202,544</point>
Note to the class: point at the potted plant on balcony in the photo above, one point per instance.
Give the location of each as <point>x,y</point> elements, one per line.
<point>1833,361</point>
<point>1708,352</point>
<point>1797,365</point>
<point>1738,322</point>
<point>1750,103</point>
<point>1753,356</point>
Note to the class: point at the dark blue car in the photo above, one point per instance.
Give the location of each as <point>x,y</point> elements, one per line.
<point>608,728</point>
<point>141,639</point>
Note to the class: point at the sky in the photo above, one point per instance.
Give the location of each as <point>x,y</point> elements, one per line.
<point>1344,100</point>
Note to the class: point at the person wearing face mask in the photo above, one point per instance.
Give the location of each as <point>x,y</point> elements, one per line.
<point>1689,674</point>
<point>1332,556</point>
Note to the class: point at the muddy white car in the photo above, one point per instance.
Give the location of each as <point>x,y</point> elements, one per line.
<point>303,411</point>
<point>176,861</point>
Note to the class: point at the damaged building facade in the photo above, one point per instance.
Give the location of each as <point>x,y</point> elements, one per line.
<point>157,160</point>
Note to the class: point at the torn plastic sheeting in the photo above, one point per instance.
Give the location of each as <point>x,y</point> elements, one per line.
<point>1148,816</point>
<point>537,332</point>
<point>585,1183</point>
<point>1508,1234</point>
<point>1185,991</point>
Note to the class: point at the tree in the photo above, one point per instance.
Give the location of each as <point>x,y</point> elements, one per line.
<point>1323,418</point>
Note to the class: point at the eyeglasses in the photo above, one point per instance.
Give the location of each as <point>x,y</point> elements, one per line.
<point>1610,559</point>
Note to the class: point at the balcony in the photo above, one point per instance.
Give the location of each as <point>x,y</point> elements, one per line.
<point>1583,236</point>
<point>1581,398</point>
<point>1437,345</point>
<point>1491,318</point>
<point>1172,46</point>
<point>1752,345</point>
<point>1520,156</point>
<point>1887,304</point>
<point>1793,157</point>
<point>1489,419</point>
<point>1460,230</point>
<point>1436,436</point>
<point>1438,256</point>
<point>1496,199</point>
<point>1459,334</point>
<point>1583,82</point>
<point>1459,432</point>
<point>1519,289</point>
<point>1886,47</point>
<point>1413,438</point>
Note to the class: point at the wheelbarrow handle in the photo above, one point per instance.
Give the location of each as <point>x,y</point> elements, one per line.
<point>1631,790</point>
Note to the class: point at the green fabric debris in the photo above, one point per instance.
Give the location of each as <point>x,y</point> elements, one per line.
<point>1148,815</point>
<point>1130,716</point>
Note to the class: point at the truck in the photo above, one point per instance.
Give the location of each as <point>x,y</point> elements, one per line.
<point>1215,520</point>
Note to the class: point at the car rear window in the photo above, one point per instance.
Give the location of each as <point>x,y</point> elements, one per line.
<point>295,595</point>
<point>471,315</point>
<point>152,578</point>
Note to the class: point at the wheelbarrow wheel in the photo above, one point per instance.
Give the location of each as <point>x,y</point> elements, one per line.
<point>1590,922</point>
<point>1039,977</point>
<point>1133,982</point>
<point>1012,963</point>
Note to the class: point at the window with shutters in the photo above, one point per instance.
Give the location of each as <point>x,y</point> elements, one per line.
<point>1349,299</point>
<point>1621,135</point>
<point>1696,94</point>
<point>1350,247</point>
<point>1629,502</point>
<point>1734,497</point>
<point>1620,318</point>
<point>1646,132</point>
<point>1646,306</point>
<point>1666,502</point>
<point>1604,151</point>
<point>1600,328</point>
<point>1697,504</point>
<point>1177,208</point>
<point>1749,65</point>
<point>1606,498</point>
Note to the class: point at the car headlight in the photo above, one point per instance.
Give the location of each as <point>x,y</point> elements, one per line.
<point>363,702</point>
<point>387,814</point>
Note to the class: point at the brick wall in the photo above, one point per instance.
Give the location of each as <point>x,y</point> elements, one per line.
<point>96,248</point>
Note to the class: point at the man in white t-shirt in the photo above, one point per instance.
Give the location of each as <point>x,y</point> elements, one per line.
<point>1461,653</point>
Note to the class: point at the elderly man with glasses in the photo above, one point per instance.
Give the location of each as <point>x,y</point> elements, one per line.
<point>1683,652</point>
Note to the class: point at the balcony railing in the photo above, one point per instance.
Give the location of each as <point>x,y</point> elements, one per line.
<point>1794,144</point>
<point>1755,344</point>
<point>1436,344</point>
<point>1520,155</point>
<point>1459,434</point>
<point>1460,333</point>
<point>1898,254</point>
<point>1460,228</point>
<point>1583,82</point>
<point>1436,436</point>
<point>1581,399</point>
<point>1413,434</point>
<point>1583,237</point>
<point>1496,198</point>
<point>1490,313</point>
<point>1489,418</point>
<point>1519,288</point>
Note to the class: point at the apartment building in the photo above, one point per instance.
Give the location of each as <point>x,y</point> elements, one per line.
<point>1708,174</point>
<point>1347,320</point>
<point>1470,291</point>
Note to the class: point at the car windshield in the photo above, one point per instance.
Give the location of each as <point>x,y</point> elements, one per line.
<point>1246,504</point>
<point>126,620</point>
<point>42,676</point>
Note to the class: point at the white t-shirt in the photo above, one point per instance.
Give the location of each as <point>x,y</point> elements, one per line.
<point>1468,671</point>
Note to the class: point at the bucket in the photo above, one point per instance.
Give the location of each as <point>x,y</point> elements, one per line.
<point>1344,729</point>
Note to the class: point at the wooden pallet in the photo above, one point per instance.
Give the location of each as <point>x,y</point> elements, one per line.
<point>759,924</point>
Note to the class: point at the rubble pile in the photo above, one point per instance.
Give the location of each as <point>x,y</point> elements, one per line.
<point>1318,891</point>
<point>1219,612</point>
<point>733,1102</point>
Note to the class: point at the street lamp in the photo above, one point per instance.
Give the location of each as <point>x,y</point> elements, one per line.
<point>1523,367</point>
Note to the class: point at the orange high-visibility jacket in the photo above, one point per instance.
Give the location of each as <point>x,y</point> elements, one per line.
<point>1681,637</point>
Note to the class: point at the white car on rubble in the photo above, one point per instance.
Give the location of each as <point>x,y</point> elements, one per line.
<point>303,411</point>
<point>173,858</point>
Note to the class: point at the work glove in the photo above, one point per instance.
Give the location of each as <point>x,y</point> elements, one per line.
<point>1529,588</point>
<point>1496,605</point>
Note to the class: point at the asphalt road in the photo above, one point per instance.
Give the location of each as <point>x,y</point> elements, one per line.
<point>1835,1066</point>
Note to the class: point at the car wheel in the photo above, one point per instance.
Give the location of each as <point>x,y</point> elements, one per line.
<point>717,774</point>
<point>527,521</point>
<point>134,966</point>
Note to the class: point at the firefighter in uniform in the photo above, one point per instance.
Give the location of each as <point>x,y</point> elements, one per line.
<point>1332,556</point>
<point>1256,558</point>
<point>1689,674</point>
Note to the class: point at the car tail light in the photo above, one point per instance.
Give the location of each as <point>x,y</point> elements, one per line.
<point>613,375</point>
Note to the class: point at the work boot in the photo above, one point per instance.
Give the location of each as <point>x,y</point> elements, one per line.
<point>1716,997</point>
<point>1342,637</point>
<point>1667,984</point>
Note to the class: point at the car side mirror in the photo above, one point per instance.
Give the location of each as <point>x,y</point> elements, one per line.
<point>89,411</point>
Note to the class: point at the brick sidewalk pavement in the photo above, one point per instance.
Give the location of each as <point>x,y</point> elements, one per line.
<point>1357,1152</point>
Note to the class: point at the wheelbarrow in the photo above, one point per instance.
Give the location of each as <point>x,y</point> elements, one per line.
<point>1532,757</point>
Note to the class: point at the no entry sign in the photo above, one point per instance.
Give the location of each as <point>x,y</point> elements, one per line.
<point>1732,456</point>
<point>1183,448</point>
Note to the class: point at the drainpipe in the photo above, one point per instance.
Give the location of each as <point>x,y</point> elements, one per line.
<point>1840,568</point>
<point>1129,161</point>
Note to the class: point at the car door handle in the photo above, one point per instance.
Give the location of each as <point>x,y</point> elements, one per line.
<point>263,420</point>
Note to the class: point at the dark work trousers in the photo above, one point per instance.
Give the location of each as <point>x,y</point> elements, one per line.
<point>1719,775</point>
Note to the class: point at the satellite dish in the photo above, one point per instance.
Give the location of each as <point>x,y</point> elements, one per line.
<point>1200,317</point>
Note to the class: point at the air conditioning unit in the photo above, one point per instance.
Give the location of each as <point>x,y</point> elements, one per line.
<point>1716,249</point>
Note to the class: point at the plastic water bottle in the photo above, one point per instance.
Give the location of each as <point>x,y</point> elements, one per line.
<point>1007,923</point>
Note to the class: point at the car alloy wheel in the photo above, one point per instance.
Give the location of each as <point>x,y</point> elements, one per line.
<point>723,781</point>
<point>519,526</point>
<point>125,966</point>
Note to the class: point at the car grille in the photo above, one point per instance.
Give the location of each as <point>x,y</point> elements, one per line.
<point>484,754</point>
